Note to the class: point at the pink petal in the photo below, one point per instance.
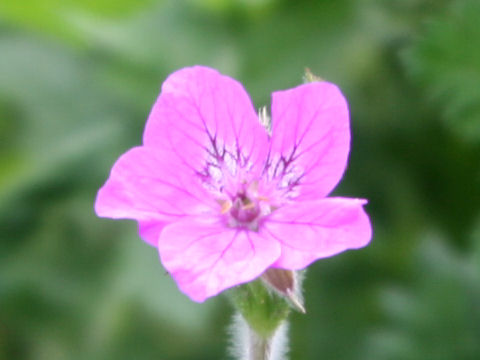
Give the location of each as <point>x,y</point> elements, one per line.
<point>312,230</point>
<point>311,134</point>
<point>149,230</point>
<point>200,111</point>
<point>205,257</point>
<point>145,185</point>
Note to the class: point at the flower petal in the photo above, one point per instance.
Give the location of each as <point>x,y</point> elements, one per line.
<point>310,137</point>
<point>312,230</point>
<point>205,257</point>
<point>201,112</point>
<point>145,185</point>
<point>149,230</point>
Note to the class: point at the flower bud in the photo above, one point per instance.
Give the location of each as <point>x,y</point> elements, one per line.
<point>285,283</point>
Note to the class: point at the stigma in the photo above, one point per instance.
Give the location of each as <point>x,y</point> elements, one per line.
<point>246,207</point>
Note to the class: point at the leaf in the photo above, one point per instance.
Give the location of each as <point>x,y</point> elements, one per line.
<point>49,16</point>
<point>445,62</point>
<point>52,113</point>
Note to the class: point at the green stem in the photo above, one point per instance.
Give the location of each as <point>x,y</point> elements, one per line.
<point>260,348</point>
<point>264,313</point>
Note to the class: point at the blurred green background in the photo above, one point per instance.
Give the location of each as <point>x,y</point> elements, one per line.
<point>77,80</point>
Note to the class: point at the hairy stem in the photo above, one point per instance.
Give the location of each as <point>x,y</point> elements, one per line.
<point>259,328</point>
<point>259,348</point>
<point>249,345</point>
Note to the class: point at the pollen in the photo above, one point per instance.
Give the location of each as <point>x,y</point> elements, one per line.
<point>249,205</point>
<point>226,205</point>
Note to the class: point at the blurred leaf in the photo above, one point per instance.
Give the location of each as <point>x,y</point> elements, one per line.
<point>444,295</point>
<point>166,37</point>
<point>77,80</point>
<point>58,106</point>
<point>231,5</point>
<point>51,16</point>
<point>445,61</point>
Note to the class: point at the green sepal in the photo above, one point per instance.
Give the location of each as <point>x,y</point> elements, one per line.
<point>261,308</point>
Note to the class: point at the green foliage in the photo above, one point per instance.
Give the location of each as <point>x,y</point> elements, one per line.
<point>442,296</point>
<point>53,16</point>
<point>445,62</point>
<point>262,309</point>
<point>77,80</point>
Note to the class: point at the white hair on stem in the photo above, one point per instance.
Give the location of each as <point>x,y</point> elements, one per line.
<point>247,345</point>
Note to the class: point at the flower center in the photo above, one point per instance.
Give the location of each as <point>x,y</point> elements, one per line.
<point>244,210</point>
<point>245,205</point>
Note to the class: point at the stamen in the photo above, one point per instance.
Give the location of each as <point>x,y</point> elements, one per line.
<point>226,205</point>
<point>249,205</point>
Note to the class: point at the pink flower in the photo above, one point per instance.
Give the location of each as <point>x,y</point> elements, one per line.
<point>222,199</point>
